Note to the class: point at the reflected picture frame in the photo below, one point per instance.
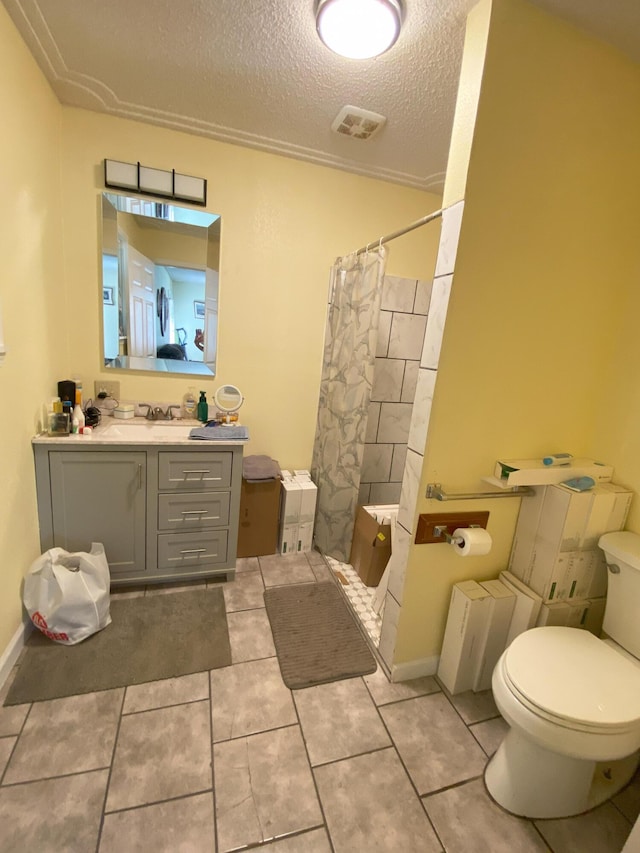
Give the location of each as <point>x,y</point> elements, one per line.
<point>198,310</point>
<point>107,296</point>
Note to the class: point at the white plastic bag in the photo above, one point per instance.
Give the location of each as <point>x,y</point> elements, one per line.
<point>67,594</point>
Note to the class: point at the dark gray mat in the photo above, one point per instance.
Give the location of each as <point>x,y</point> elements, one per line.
<point>316,635</point>
<point>149,638</point>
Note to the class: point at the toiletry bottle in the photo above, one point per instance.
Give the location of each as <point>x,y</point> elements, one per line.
<point>203,408</point>
<point>78,419</point>
<point>78,399</point>
<point>190,404</point>
<point>67,411</point>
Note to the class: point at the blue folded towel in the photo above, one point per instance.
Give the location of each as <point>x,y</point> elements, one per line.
<point>233,432</point>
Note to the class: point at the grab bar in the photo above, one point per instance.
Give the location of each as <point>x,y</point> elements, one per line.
<point>436,492</point>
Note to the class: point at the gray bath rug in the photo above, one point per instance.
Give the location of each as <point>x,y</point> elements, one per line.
<point>149,638</point>
<point>316,635</point>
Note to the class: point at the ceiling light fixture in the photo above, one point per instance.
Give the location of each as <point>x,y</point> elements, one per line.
<point>359,29</point>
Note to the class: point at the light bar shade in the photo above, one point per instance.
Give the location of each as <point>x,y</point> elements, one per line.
<point>156,182</point>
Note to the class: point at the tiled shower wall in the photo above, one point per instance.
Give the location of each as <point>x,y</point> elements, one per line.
<point>403,319</point>
<point>416,444</point>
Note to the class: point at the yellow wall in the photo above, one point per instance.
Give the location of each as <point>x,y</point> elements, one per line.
<point>283,224</point>
<point>544,292</point>
<point>464,120</point>
<point>32,301</point>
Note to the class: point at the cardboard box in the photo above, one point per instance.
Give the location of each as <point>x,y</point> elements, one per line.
<point>564,517</point>
<point>305,536</point>
<point>555,549</point>
<point>494,638</point>
<point>581,573</point>
<point>259,511</point>
<point>524,540</point>
<point>290,501</point>
<point>595,616</point>
<point>308,497</point>
<point>532,472</point>
<point>609,509</point>
<point>599,576</point>
<point>550,574</point>
<point>297,512</point>
<point>554,613</point>
<point>288,539</point>
<point>577,615</point>
<point>588,575</point>
<point>526,608</point>
<point>466,624</point>
<point>371,547</point>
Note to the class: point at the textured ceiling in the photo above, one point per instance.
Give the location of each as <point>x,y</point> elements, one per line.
<point>254,72</point>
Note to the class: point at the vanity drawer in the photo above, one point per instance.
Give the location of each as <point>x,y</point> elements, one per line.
<point>190,550</point>
<point>193,511</point>
<point>194,471</point>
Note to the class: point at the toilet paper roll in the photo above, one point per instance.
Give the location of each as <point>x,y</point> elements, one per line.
<point>475,541</point>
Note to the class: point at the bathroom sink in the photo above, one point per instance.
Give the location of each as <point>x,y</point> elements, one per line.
<point>149,432</point>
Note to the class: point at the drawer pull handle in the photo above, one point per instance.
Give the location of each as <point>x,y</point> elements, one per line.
<point>193,551</point>
<point>196,472</point>
<point>194,512</point>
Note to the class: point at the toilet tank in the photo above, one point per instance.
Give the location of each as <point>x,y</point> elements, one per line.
<point>621,623</point>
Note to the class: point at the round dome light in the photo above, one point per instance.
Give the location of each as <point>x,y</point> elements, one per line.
<point>358,29</point>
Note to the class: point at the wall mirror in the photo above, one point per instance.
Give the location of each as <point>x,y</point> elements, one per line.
<point>160,270</point>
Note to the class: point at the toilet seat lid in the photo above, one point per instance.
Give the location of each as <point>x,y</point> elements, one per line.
<point>570,674</point>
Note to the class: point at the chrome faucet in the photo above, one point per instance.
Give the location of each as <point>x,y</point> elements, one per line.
<point>149,416</point>
<point>158,414</point>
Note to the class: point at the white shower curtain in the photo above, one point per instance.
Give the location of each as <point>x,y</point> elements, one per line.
<point>345,393</point>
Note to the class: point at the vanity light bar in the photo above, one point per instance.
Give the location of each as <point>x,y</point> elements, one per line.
<point>157,182</point>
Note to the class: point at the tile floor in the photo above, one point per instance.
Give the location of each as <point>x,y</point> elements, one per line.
<point>231,759</point>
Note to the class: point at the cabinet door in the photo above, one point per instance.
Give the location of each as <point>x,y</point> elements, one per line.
<point>100,497</point>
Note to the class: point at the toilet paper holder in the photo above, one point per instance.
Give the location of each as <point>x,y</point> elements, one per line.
<point>441,530</point>
<point>439,527</point>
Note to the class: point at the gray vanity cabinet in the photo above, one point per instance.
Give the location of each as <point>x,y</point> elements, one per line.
<point>163,512</point>
<point>100,497</point>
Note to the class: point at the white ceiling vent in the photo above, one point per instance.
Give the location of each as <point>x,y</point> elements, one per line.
<point>357,123</point>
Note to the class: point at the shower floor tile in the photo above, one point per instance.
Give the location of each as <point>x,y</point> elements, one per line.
<point>360,597</point>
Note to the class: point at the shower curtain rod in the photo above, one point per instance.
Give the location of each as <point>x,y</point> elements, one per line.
<point>417,224</point>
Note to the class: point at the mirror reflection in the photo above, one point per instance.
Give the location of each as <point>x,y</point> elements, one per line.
<point>160,270</point>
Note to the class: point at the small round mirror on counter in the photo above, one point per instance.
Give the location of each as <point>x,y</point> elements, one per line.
<point>228,400</point>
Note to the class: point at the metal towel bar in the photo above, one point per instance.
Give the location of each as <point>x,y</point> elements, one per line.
<point>436,492</point>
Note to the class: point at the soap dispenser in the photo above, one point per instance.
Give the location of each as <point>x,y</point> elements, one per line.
<point>189,404</point>
<point>203,408</point>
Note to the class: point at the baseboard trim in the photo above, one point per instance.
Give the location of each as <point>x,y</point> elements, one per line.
<point>415,669</point>
<point>12,651</point>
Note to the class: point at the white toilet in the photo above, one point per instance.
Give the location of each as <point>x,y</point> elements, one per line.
<point>572,702</point>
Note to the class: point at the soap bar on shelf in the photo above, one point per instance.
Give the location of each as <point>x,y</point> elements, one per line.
<point>557,459</point>
<point>124,410</point>
<point>579,484</point>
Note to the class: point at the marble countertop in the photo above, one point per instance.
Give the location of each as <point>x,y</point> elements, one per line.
<point>117,431</point>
